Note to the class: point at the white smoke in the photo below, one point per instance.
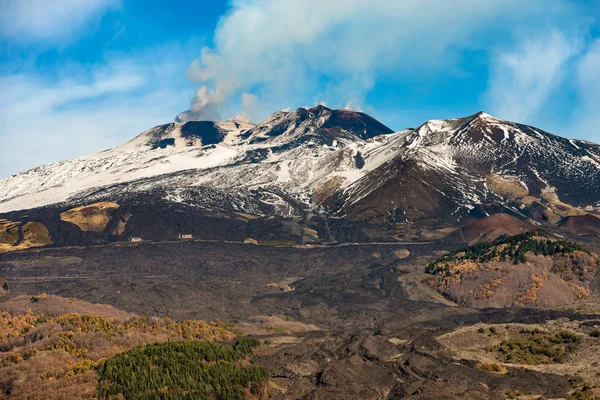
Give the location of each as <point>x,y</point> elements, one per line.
<point>336,50</point>
<point>204,106</point>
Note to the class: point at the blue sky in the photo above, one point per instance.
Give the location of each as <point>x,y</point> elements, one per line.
<point>79,76</point>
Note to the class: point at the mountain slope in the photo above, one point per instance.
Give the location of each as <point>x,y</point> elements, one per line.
<point>337,172</point>
<point>247,156</point>
<point>318,125</point>
<point>445,167</point>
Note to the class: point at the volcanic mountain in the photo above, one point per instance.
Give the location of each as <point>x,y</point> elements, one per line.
<point>311,232</point>
<point>309,175</point>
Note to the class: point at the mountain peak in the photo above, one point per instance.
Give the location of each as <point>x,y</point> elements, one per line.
<point>483,116</point>
<point>328,151</point>
<point>191,133</point>
<point>319,109</point>
<point>476,125</point>
<point>317,125</point>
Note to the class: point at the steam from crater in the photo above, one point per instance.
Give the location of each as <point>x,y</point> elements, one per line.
<point>269,54</point>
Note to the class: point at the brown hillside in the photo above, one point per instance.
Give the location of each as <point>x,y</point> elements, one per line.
<point>527,270</point>
<point>491,228</point>
<point>581,224</point>
<point>90,218</point>
<point>35,234</point>
<point>52,305</point>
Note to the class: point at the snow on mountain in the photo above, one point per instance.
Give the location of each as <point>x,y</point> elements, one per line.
<point>457,164</point>
<point>337,161</point>
<point>316,125</point>
<point>160,150</point>
<point>222,155</point>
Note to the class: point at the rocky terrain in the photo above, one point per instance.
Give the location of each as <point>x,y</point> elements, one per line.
<point>356,321</point>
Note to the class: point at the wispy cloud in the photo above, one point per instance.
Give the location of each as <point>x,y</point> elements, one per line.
<point>284,50</point>
<point>587,116</point>
<point>27,21</point>
<point>555,72</point>
<point>522,80</point>
<point>34,96</point>
<point>45,119</point>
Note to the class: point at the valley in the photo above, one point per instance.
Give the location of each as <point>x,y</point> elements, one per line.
<point>355,321</point>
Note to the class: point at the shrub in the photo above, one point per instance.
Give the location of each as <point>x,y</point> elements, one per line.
<point>538,348</point>
<point>15,358</point>
<point>40,320</point>
<point>582,395</point>
<point>492,368</point>
<point>37,299</point>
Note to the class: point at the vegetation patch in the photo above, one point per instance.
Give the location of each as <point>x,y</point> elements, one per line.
<point>35,234</point>
<point>9,232</point>
<point>538,347</point>
<point>184,370</point>
<point>46,357</point>
<point>511,188</point>
<point>529,269</point>
<point>513,249</point>
<point>492,368</point>
<point>37,299</point>
<point>583,390</point>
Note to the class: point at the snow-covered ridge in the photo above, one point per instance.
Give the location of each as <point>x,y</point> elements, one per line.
<point>306,154</point>
<point>450,161</point>
<point>199,146</point>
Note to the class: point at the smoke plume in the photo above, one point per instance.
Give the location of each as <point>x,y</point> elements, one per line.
<point>289,52</point>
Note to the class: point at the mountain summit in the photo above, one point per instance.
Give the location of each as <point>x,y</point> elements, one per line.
<point>448,166</point>
<point>317,125</point>
<point>335,165</point>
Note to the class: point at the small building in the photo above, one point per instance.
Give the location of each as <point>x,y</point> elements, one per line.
<point>135,239</point>
<point>186,236</point>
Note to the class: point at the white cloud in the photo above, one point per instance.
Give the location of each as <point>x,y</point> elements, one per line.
<point>283,50</point>
<point>85,110</point>
<point>30,95</point>
<point>587,117</point>
<point>49,21</point>
<point>522,80</point>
